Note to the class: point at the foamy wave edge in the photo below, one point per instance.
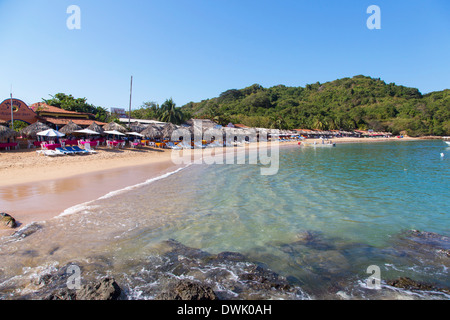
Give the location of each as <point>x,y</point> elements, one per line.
<point>84,206</point>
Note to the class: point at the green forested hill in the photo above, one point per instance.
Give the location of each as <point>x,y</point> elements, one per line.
<point>350,103</point>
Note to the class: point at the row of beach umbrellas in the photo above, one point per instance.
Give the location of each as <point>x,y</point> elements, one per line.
<point>151,131</point>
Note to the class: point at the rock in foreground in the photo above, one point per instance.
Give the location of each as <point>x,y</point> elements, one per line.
<point>7,221</point>
<point>105,289</point>
<point>188,290</point>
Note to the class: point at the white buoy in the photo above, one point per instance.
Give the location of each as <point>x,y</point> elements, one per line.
<point>442,154</point>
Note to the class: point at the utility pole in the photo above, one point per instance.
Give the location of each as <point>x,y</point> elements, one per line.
<point>12,114</point>
<point>129,113</point>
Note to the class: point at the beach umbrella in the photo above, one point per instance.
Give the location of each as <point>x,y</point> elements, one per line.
<point>137,127</point>
<point>167,130</point>
<point>70,127</point>
<point>6,132</point>
<point>50,133</point>
<point>114,132</point>
<point>95,127</point>
<point>87,131</point>
<point>152,132</point>
<point>33,129</point>
<point>113,126</point>
<point>135,134</point>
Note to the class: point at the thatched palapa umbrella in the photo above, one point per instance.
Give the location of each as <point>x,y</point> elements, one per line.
<point>33,129</point>
<point>70,128</point>
<point>137,127</point>
<point>152,132</point>
<point>6,132</point>
<point>95,127</point>
<point>167,130</point>
<point>114,126</point>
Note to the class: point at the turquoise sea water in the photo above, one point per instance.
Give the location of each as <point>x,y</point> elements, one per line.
<point>355,201</point>
<point>360,192</point>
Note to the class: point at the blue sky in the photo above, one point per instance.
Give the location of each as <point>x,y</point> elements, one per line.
<point>194,50</point>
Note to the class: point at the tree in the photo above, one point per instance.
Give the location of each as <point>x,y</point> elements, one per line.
<point>148,111</point>
<point>170,113</point>
<point>348,104</point>
<point>101,114</point>
<point>69,103</point>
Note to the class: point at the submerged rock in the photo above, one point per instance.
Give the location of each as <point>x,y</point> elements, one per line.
<point>305,236</point>
<point>409,284</point>
<point>231,256</point>
<point>225,276</point>
<point>27,231</point>
<point>425,247</point>
<point>7,221</point>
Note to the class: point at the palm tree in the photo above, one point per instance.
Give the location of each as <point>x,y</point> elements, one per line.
<point>170,113</point>
<point>318,123</point>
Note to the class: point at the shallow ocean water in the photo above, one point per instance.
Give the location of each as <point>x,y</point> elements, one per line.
<point>320,222</point>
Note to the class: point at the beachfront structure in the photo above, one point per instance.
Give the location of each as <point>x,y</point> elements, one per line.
<point>21,112</point>
<point>141,121</point>
<point>57,117</point>
<point>49,115</point>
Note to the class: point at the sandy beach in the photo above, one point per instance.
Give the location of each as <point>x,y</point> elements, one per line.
<point>34,187</point>
<point>26,166</point>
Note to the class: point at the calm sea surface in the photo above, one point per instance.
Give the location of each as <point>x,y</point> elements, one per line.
<point>328,215</point>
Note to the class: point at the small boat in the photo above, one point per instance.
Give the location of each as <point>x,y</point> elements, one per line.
<point>447,140</point>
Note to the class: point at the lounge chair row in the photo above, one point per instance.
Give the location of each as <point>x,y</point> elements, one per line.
<point>75,150</point>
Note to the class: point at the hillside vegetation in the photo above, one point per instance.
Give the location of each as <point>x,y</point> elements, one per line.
<point>350,103</point>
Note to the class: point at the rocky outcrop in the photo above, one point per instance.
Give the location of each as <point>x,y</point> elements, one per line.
<point>223,276</point>
<point>105,289</point>
<point>27,231</point>
<point>409,284</point>
<point>7,221</point>
<point>187,290</point>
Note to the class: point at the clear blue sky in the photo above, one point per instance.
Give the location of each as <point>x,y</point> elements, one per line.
<point>194,50</point>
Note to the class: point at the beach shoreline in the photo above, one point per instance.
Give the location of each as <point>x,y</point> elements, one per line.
<point>26,166</point>
<point>30,182</point>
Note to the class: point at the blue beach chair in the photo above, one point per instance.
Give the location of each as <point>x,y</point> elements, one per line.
<point>79,150</point>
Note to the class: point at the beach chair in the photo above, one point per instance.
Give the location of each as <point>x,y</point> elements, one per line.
<point>215,144</point>
<point>184,145</point>
<point>59,152</point>
<point>49,153</point>
<point>87,148</point>
<point>173,146</point>
<point>198,145</point>
<point>79,150</point>
<point>64,151</point>
<point>71,150</point>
